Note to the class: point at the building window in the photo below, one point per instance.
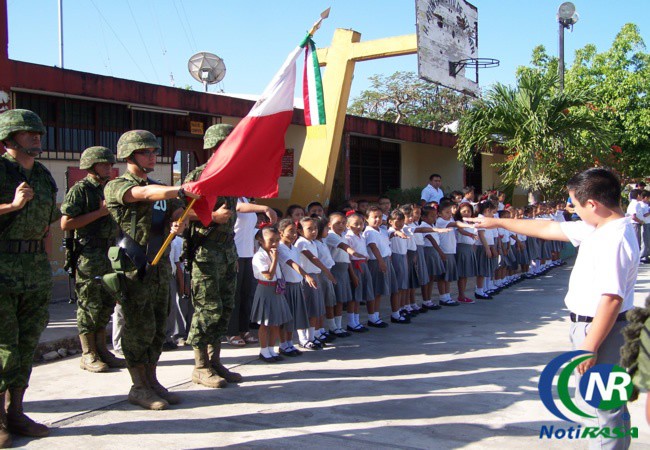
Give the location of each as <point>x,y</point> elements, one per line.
<point>375,166</point>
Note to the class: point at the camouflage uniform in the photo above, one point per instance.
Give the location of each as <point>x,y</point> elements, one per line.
<point>94,305</point>
<point>25,276</point>
<point>147,301</point>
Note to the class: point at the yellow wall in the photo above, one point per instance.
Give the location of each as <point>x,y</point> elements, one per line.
<point>419,161</point>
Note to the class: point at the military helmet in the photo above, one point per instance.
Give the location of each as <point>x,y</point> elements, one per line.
<point>15,120</point>
<point>135,140</point>
<point>216,134</point>
<point>94,155</point>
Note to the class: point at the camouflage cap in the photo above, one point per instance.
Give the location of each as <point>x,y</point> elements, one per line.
<point>94,155</point>
<point>15,120</point>
<point>135,140</point>
<point>216,134</point>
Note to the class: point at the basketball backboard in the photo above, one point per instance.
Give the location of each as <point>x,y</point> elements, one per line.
<point>447,37</point>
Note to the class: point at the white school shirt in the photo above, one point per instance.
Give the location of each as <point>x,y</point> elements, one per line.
<point>286,253</point>
<point>303,244</point>
<point>378,238</point>
<point>333,241</point>
<point>176,249</point>
<point>434,235</point>
<point>635,208</point>
<point>462,239</point>
<point>262,263</point>
<point>417,237</point>
<point>245,232</point>
<point>631,208</point>
<point>607,263</point>
<point>397,244</point>
<point>559,216</point>
<point>324,254</point>
<point>447,240</point>
<point>522,237</point>
<point>489,235</point>
<point>431,194</point>
<point>411,244</point>
<point>505,235</point>
<point>358,244</point>
<point>646,209</point>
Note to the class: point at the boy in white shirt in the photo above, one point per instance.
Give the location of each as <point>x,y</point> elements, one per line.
<point>601,288</point>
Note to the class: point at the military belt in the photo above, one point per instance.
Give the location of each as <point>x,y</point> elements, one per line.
<point>97,243</point>
<point>18,246</point>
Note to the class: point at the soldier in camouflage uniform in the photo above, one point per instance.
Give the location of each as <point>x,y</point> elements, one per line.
<point>144,211</point>
<point>27,208</point>
<point>214,279</point>
<point>84,210</point>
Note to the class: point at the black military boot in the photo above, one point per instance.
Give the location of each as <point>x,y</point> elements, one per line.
<point>141,394</point>
<point>159,389</point>
<point>214,351</point>
<point>110,359</point>
<point>17,421</point>
<point>89,358</point>
<point>5,436</point>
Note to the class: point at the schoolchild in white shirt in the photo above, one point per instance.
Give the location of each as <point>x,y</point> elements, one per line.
<point>432,253</point>
<point>465,251</point>
<point>294,275</point>
<point>327,286</point>
<point>270,309</point>
<point>411,261</point>
<point>601,287</point>
<point>360,276</point>
<point>422,271</point>
<point>484,251</point>
<point>310,262</point>
<point>341,252</point>
<point>382,272</point>
<point>399,248</point>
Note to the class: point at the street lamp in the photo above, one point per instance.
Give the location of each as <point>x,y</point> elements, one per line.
<point>566,16</point>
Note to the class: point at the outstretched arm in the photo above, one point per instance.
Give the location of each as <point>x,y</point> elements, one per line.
<point>544,229</point>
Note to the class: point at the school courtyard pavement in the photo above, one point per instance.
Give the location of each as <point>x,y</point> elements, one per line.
<point>461,377</point>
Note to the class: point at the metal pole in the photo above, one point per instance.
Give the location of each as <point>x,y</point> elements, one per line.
<point>560,66</point>
<point>61,33</point>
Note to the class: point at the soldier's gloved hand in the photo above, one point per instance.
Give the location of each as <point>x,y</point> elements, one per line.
<point>23,194</point>
<point>221,215</point>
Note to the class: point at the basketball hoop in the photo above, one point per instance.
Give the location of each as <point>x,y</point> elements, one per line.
<point>472,63</point>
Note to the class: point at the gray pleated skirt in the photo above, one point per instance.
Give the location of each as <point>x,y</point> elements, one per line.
<point>327,290</point>
<point>435,267</point>
<point>343,287</point>
<point>421,270</point>
<point>466,260</point>
<point>451,272</point>
<point>547,248</point>
<point>383,283</point>
<point>411,264</point>
<point>533,247</point>
<point>522,256</point>
<point>511,259</point>
<point>483,263</point>
<point>298,308</point>
<point>557,246</point>
<point>401,270</point>
<point>364,290</point>
<point>269,308</point>
<point>314,298</point>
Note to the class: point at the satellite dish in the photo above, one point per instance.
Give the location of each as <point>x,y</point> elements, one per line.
<point>206,68</point>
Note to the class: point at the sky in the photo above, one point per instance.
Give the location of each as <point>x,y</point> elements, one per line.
<point>152,40</point>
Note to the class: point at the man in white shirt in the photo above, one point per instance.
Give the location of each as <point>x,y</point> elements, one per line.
<point>432,192</point>
<point>635,212</point>
<point>601,288</point>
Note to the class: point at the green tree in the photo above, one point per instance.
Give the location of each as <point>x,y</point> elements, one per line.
<point>545,135</point>
<point>619,79</point>
<point>404,98</point>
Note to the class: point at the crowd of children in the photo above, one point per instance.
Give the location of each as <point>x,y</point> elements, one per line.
<point>313,271</point>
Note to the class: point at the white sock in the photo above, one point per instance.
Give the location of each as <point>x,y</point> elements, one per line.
<point>337,322</point>
<point>395,315</point>
<point>376,317</point>
<point>414,306</point>
<point>330,324</point>
<point>479,291</point>
<point>311,333</point>
<point>272,351</point>
<point>265,352</point>
<point>428,303</point>
<point>290,344</point>
<point>351,322</point>
<point>284,345</point>
<point>303,336</point>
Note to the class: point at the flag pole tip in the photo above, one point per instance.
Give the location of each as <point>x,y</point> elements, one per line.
<point>325,14</point>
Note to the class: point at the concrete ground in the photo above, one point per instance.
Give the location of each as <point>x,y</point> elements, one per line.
<point>462,377</point>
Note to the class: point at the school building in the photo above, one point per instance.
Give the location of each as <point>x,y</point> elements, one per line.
<point>81,109</point>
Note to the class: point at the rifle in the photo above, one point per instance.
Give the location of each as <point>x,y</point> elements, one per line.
<point>71,256</point>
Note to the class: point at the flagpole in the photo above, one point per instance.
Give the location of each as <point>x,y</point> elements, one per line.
<point>171,236</point>
<point>324,15</point>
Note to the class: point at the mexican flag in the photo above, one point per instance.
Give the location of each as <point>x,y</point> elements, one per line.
<point>248,162</point>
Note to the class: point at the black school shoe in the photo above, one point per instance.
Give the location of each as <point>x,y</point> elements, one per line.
<point>290,353</point>
<point>379,324</point>
<point>339,332</point>
<point>482,297</point>
<point>421,310</point>
<point>402,320</point>
<point>432,307</point>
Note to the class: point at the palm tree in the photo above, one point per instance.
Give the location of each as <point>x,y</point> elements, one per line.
<point>546,135</point>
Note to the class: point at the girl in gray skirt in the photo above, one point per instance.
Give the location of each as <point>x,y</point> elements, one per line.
<point>432,252</point>
<point>465,252</point>
<point>270,309</point>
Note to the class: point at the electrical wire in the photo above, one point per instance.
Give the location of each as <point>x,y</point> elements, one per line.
<point>144,44</point>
